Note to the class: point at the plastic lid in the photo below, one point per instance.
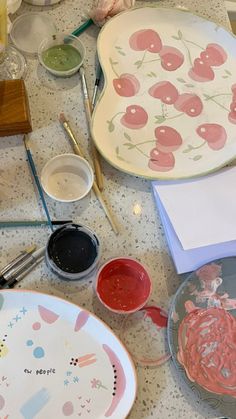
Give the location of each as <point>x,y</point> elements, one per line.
<point>144,334</point>
<point>30,29</point>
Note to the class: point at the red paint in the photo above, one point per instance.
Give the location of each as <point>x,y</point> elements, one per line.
<point>145,39</point>
<point>156,314</point>
<point>207,349</point>
<point>214,134</point>
<point>135,117</point>
<point>161,162</point>
<point>123,285</point>
<point>171,58</point>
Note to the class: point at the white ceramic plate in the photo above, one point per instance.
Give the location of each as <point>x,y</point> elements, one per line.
<point>168,109</point>
<point>57,361</point>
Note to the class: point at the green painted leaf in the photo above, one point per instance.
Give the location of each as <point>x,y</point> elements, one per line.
<point>228,72</point>
<point>180,34</point>
<point>207,97</point>
<point>111,126</point>
<point>1,301</point>
<point>181,80</point>
<point>154,74</point>
<point>189,85</point>
<point>187,150</point>
<point>160,119</point>
<point>117,150</point>
<point>121,52</point>
<point>175,37</point>
<point>129,145</point>
<point>121,158</point>
<point>118,47</point>
<point>127,136</point>
<point>198,157</point>
<point>225,77</point>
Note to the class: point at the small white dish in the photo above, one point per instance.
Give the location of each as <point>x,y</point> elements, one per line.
<point>29,29</point>
<point>67,178</point>
<point>61,50</point>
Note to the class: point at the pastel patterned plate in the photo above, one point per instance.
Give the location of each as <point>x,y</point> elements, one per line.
<point>201,335</point>
<point>168,108</point>
<point>58,360</point>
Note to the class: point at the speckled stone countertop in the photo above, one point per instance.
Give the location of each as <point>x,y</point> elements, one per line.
<point>159,392</point>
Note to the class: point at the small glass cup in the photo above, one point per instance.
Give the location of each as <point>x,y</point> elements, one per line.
<point>12,62</point>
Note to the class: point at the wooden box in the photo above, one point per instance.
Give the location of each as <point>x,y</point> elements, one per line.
<point>14,108</point>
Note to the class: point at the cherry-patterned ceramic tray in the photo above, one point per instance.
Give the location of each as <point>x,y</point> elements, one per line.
<point>58,360</point>
<point>168,108</point>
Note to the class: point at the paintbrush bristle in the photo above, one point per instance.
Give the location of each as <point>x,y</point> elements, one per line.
<point>62,118</point>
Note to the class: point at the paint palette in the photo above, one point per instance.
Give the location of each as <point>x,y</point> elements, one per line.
<point>57,361</point>
<point>201,336</point>
<point>168,107</point>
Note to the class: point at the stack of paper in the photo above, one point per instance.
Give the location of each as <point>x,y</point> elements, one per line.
<point>199,218</point>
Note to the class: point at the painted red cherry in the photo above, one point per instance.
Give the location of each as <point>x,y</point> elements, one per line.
<point>201,71</point>
<point>135,117</point>
<point>161,162</point>
<point>165,91</point>
<point>145,39</point>
<point>233,106</point>
<point>232,117</point>
<point>171,58</point>
<point>189,103</point>
<point>168,139</point>
<point>214,55</point>
<point>214,134</point>
<point>126,85</point>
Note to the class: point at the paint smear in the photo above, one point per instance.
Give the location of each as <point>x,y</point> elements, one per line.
<point>81,320</point>
<point>47,315</point>
<point>207,349</point>
<point>1,301</point>
<point>35,404</point>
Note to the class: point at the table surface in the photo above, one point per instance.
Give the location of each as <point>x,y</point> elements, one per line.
<point>130,198</point>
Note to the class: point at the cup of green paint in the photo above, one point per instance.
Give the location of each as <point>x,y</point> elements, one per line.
<point>61,54</point>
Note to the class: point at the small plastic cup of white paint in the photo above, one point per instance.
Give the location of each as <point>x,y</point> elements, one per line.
<point>67,178</point>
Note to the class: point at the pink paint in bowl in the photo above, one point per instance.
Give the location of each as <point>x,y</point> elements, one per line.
<point>123,285</point>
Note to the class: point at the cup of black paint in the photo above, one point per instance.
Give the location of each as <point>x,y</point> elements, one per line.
<point>72,251</point>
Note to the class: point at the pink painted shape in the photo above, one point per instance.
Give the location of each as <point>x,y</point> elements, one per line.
<point>47,315</point>
<point>36,326</point>
<point>214,55</point>
<point>121,380</point>
<point>171,58</point>
<point>190,104</point>
<point>135,117</point>
<point>165,91</point>
<point>86,363</point>
<point>201,71</point>
<point>145,39</point>
<point>168,139</point>
<point>68,409</point>
<point>127,85</point>
<point>82,318</point>
<point>161,162</point>
<point>86,357</point>
<point>214,134</point>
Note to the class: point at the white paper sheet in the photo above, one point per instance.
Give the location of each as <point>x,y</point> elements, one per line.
<point>202,211</point>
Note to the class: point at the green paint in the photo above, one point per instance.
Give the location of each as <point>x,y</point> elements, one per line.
<point>61,57</point>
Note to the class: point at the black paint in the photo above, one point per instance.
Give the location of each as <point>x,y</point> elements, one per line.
<point>72,249</point>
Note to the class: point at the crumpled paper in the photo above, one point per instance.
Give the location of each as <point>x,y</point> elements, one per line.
<point>103,10</point>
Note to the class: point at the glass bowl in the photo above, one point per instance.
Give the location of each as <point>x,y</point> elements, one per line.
<point>61,54</point>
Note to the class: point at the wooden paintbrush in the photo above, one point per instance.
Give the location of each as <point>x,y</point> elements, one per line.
<point>77,150</point>
<point>88,111</point>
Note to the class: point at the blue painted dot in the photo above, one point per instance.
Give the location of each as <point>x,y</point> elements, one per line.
<point>29,342</point>
<point>38,352</point>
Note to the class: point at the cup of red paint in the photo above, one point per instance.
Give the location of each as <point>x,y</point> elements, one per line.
<point>123,285</point>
